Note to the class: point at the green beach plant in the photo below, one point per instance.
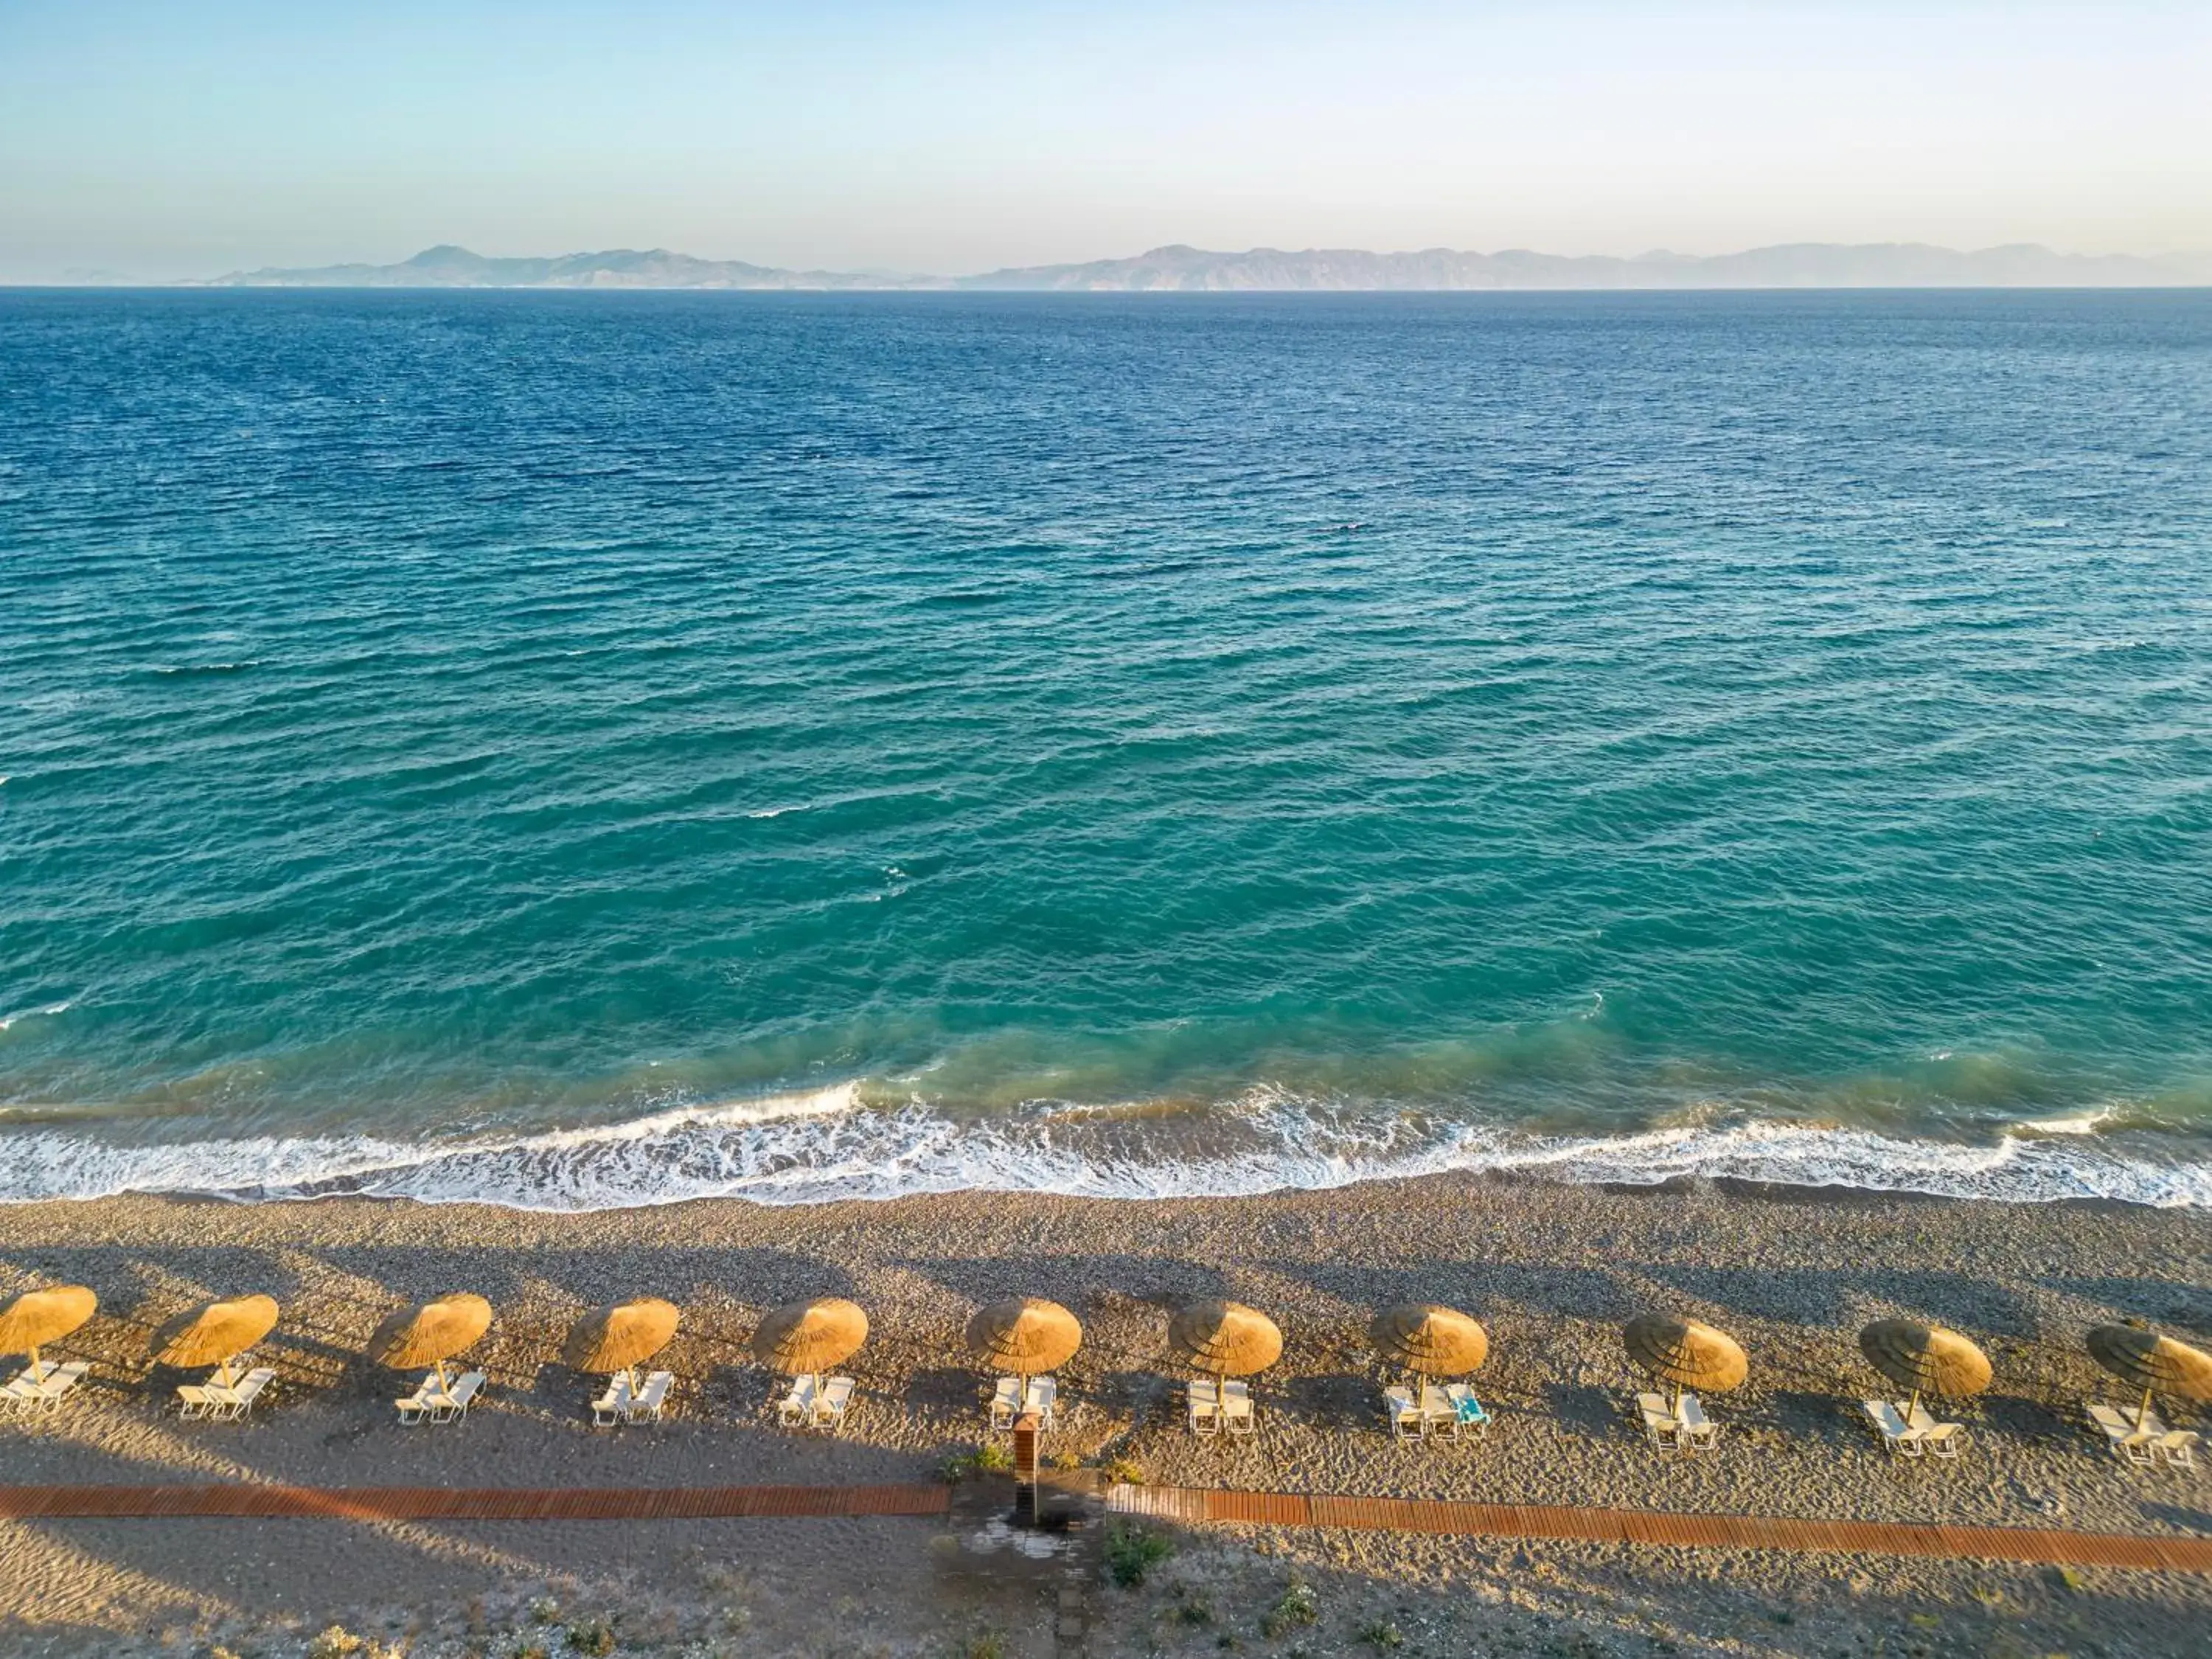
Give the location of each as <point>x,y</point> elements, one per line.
<point>1297,1606</point>
<point>1132,1551</point>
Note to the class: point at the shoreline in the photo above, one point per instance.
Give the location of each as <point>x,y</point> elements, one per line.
<point>1550,1268</point>
<point>819,1153</point>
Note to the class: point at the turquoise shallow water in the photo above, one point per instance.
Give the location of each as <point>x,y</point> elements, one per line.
<point>582,749</point>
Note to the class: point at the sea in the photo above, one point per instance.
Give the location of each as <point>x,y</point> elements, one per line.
<point>583,750</point>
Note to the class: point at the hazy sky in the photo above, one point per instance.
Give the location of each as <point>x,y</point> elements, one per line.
<point>162,139</point>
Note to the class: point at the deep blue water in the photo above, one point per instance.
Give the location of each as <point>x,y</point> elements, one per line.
<point>584,749</point>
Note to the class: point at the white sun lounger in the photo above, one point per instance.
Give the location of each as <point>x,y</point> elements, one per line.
<point>1660,1427</point>
<point>1439,1415</point>
<point>415,1407</point>
<point>454,1404</point>
<point>1205,1407</point>
<point>2178,1447</point>
<point>196,1401</point>
<point>2131,1444</point>
<point>1006,1402</point>
<point>249,1389</point>
<point>1898,1436</point>
<point>1943,1440</point>
<point>1403,1416</point>
<point>1237,1407</point>
<point>829,1409</point>
<point>1698,1431</point>
<point>796,1409</point>
<point>1044,1395</point>
<point>43,1390</point>
<point>645,1405</point>
<point>612,1407</point>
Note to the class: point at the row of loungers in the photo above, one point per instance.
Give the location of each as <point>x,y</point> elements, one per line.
<point>1450,1410</point>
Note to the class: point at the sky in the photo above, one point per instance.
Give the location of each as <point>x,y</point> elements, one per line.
<point>154,140</point>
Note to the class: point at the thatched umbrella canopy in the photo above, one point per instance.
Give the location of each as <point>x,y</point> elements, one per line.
<point>1430,1341</point>
<point>804,1338</point>
<point>2154,1363</point>
<point>1685,1353</point>
<point>621,1337</point>
<point>431,1333</point>
<point>1025,1335</point>
<point>216,1333</point>
<point>1926,1359</point>
<point>38,1317</point>
<point>1224,1339</point>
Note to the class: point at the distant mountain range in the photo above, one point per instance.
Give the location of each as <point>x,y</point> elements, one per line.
<point>1188,270</point>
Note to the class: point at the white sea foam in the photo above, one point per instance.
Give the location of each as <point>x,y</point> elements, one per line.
<point>50,1010</point>
<point>832,1143</point>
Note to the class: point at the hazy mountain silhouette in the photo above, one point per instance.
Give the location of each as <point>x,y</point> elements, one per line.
<point>1180,269</point>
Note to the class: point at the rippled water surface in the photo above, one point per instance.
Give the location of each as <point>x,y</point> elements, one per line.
<point>582,749</point>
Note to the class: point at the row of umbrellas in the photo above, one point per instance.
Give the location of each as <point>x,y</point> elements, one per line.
<point>1926,1359</point>
<point>1030,1335</point>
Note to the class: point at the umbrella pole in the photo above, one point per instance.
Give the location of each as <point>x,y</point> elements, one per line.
<point>1911,1408</point>
<point>439,1366</point>
<point>2143,1412</point>
<point>37,1376</point>
<point>1678,1401</point>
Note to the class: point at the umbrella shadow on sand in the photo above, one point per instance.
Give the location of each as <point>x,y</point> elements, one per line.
<point>1834,1297</point>
<point>1075,1278</point>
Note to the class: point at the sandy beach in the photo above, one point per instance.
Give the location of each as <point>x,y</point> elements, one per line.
<point>1552,1270</point>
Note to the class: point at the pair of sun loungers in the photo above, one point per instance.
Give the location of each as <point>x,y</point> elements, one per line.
<point>430,1403</point>
<point>619,1405</point>
<point>41,1388</point>
<point>1913,1432</point>
<point>1008,1401</point>
<point>2148,1444</point>
<point>1217,1408</point>
<point>1685,1428</point>
<point>216,1402</point>
<point>812,1406</point>
<point>1452,1410</point>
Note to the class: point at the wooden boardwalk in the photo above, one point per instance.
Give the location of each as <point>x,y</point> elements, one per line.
<point>1194,1505</point>
<point>466,1504</point>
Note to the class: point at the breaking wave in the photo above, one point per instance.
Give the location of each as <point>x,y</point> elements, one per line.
<point>839,1143</point>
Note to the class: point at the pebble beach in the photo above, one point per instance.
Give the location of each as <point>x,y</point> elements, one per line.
<point>1551,1269</point>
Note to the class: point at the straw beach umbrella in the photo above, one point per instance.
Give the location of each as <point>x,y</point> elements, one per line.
<point>431,1333</point>
<point>1025,1335</point>
<point>1926,1359</point>
<point>1224,1339</point>
<point>2154,1363</point>
<point>215,1334</point>
<point>38,1317</point>
<point>620,1337</point>
<point>1684,1354</point>
<point>805,1339</point>
<point>1430,1341</point>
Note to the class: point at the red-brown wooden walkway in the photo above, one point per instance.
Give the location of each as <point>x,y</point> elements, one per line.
<point>1192,1505</point>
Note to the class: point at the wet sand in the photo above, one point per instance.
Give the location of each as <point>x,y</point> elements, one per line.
<point>1551,1269</point>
